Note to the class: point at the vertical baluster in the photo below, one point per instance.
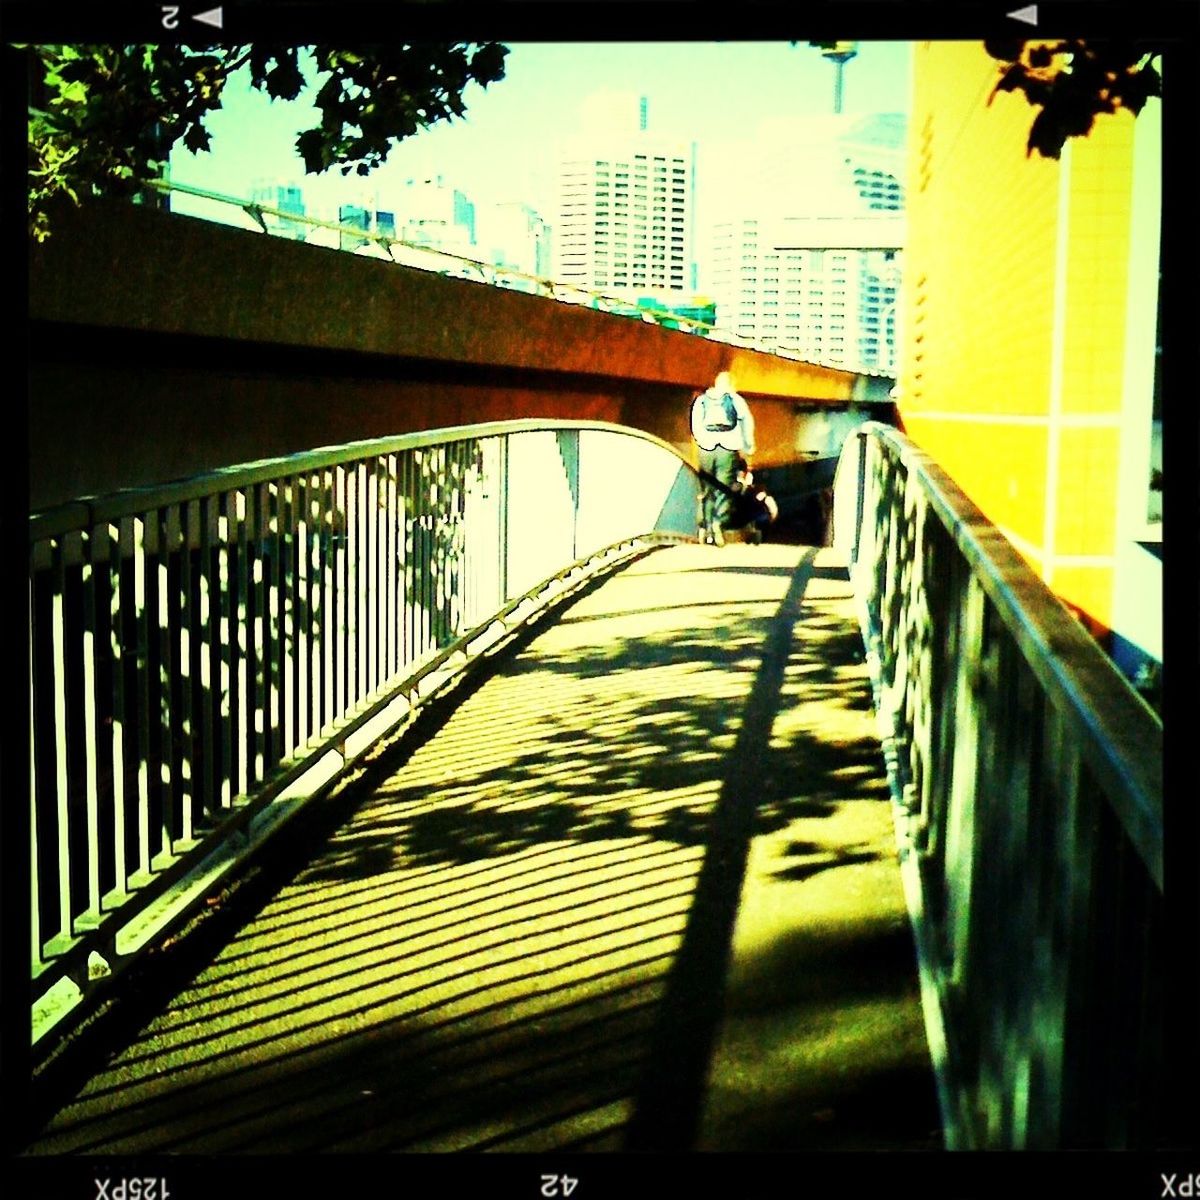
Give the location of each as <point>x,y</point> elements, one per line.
<point>341,593</point>
<point>276,657</point>
<point>166,677</point>
<point>353,597</point>
<point>385,566</point>
<point>471,532</point>
<point>236,604</point>
<point>61,738</point>
<point>357,583</point>
<point>479,540</point>
<point>331,531</point>
<point>422,472</point>
<point>468,540</point>
<point>418,546</point>
<point>144,713</point>
<point>326,550</point>
<point>286,624</point>
<point>409,534</point>
<point>298,603</point>
<point>860,452</point>
<point>429,497</point>
<point>401,562</point>
<point>117,604</point>
<point>373,618</point>
<point>302,606</point>
<point>449,526</point>
<point>311,555</point>
<point>362,559</point>
<point>457,622</point>
<point>35,902</point>
<point>459,578</point>
<point>389,574</point>
<point>189,634</point>
<point>452,530</point>
<point>378,609</point>
<point>259,666</point>
<point>502,473</point>
<point>960,833</point>
<point>424,558</point>
<point>209,632</point>
<point>314,615</point>
<point>464,509</point>
<point>266,650</point>
<point>90,563</point>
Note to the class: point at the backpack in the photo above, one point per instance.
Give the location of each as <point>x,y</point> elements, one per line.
<point>717,413</point>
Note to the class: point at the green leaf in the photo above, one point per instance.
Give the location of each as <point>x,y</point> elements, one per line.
<point>313,147</point>
<point>197,138</point>
<point>101,117</point>
<point>1012,79</point>
<point>1046,136</point>
<point>1005,49</point>
<point>285,82</point>
<point>487,63</point>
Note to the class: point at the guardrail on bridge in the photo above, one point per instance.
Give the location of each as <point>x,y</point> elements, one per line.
<point>1028,775</point>
<point>207,655</point>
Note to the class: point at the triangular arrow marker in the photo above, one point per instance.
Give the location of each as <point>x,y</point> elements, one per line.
<point>212,16</point>
<point>1028,14</point>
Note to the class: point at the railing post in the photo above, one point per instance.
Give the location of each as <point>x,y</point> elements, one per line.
<point>503,538</point>
<point>861,489</point>
<point>35,922</point>
<point>568,451</point>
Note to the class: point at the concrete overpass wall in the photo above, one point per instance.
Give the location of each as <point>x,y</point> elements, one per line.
<point>163,345</point>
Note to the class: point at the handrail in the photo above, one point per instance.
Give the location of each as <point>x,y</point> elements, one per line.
<point>1027,775</point>
<point>1120,733</point>
<point>76,513</point>
<point>546,285</point>
<point>208,656</point>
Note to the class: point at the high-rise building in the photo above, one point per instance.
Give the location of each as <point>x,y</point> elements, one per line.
<point>370,220</point>
<point>288,198</point>
<point>511,234</point>
<point>625,222</point>
<point>805,253</point>
<point>432,213</point>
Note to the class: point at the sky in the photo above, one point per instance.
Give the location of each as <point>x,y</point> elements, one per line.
<point>505,148</point>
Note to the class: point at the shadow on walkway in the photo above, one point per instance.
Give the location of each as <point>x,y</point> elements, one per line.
<point>633,890</point>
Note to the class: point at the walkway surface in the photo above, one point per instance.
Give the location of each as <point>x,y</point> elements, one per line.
<point>635,889</point>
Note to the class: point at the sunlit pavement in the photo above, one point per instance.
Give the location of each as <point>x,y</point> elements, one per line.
<point>637,889</point>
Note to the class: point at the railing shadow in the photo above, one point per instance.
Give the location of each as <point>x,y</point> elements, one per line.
<point>514,936</point>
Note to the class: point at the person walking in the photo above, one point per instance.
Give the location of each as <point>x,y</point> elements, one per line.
<point>723,429</point>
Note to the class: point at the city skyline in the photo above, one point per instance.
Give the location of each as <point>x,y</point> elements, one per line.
<point>765,106</point>
<point>506,147</point>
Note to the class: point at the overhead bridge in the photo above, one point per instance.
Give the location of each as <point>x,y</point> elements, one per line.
<point>441,792</point>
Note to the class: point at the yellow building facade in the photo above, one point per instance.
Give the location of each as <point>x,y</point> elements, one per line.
<point>1029,309</point>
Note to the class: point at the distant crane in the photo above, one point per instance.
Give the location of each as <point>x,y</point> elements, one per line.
<point>838,53</point>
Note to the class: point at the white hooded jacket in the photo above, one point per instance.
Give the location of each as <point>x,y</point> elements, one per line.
<point>739,438</point>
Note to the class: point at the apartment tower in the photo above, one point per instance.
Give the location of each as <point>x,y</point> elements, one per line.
<point>625,218</point>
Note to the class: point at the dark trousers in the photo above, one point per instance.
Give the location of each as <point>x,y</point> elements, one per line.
<point>716,504</point>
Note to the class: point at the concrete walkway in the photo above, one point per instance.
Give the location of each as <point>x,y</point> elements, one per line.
<point>636,890</point>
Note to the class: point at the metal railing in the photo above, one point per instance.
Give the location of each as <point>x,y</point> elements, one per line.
<point>445,261</point>
<point>1028,778</point>
<point>207,655</point>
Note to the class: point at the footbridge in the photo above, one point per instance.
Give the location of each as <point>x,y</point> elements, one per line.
<point>441,792</point>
